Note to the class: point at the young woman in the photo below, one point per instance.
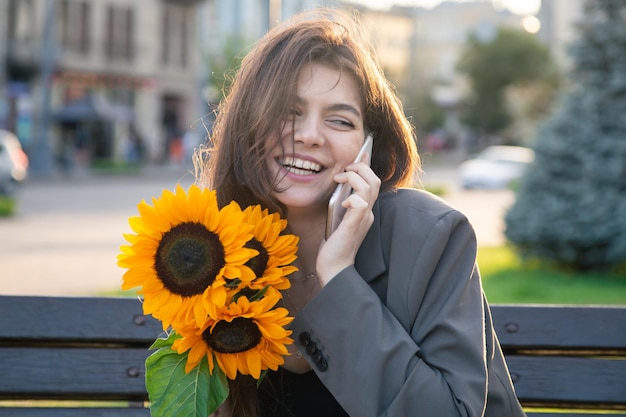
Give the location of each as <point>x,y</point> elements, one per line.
<point>390,316</point>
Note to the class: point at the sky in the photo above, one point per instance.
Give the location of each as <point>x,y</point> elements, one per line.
<point>521,7</point>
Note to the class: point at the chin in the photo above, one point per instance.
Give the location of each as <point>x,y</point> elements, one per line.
<point>308,200</point>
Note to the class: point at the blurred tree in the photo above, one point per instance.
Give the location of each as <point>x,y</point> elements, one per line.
<point>425,114</point>
<point>571,205</point>
<point>511,58</point>
<point>224,64</point>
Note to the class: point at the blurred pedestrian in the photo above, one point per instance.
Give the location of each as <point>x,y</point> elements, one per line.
<point>135,146</point>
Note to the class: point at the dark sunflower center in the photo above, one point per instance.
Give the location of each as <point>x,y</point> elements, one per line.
<point>258,264</point>
<point>188,258</point>
<point>236,336</point>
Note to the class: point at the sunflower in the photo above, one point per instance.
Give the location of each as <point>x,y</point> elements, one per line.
<point>248,337</point>
<point>276,252</point>
<point>183,252</point>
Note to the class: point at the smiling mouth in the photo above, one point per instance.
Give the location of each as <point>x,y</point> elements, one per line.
<point>299,166</point>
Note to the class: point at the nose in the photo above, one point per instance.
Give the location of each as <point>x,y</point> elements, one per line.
<point>308,132</point>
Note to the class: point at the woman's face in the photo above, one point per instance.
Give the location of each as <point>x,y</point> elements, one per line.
<point>321,136</point>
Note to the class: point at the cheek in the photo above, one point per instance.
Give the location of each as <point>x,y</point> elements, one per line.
<point>346,152</point>
<point>272,147</point>
<point>276,143</point>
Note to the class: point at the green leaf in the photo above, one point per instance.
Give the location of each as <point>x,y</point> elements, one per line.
<point>232,283</point>
<point>217,386</point>
<point>174,393</point>
<point>165,342</point>
<point>259,294</point>
<point>260,380</point>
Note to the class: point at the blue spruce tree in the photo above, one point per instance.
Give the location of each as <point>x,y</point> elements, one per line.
<point>571,205</point>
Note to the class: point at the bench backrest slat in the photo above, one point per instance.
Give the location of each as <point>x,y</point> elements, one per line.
<point>554,327</point>
<point>76,319</point>
<point>94,373</point>
<point>571,380</point>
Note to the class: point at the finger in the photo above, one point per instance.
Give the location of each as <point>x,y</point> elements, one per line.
<point>362,164</point>
<point>363,170</point>
<point>356,181</point>
<point>365,183</point>
<point>354,201</point>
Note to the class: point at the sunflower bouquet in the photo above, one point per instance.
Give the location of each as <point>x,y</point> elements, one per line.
<point>212,276</point>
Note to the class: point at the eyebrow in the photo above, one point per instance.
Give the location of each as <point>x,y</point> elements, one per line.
<point>336,107</point>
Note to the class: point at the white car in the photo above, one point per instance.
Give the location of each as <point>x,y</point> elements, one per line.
<point>495,167</point>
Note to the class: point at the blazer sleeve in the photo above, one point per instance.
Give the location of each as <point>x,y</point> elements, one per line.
<point>421,351</point>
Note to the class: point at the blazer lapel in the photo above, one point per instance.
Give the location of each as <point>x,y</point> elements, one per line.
<point>370,260</point>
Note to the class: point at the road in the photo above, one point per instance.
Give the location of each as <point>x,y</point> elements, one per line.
<point>484,208</point>
<point>66,235</point>
<point>67,232</point>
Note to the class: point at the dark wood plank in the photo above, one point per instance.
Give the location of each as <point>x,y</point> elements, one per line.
<point>578,414</point>
<point>73,373</point>
<point>572,327</point>
<point>74,412</point>
<point>568,380</point>
<point>76,319</point>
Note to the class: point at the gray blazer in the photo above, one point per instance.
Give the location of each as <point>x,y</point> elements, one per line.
<point>407,331</point>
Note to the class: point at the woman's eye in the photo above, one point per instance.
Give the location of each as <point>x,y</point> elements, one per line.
<point>292,114</point>
<point>342,122</point>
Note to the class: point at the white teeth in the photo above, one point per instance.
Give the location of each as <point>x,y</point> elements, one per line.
<point>298,171</point>
<point>299,166</point>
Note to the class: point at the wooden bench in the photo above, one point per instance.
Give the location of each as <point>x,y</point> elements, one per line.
<point>73,357</point>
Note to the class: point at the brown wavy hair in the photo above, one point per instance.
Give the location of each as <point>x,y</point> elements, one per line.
<point>264,89</point>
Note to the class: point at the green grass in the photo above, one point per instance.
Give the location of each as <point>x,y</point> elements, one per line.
<point>8,205</point>
<point>119,293</point>
<point>507,279</point>
<point>64,404</point>
<point>105,166</point>
<point>437,189</point>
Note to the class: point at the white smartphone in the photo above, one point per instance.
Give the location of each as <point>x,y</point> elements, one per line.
<point>335,209</point>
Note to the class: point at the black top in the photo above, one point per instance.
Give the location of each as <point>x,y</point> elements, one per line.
<point>287,394</point>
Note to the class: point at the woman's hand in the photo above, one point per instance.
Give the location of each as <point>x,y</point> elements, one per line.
<point>339,251</point>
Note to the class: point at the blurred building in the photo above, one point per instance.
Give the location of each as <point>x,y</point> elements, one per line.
<point>112,80</point>
<point>558,26</point>
<point>117,73</point>
<point>391,33</point>
<point>442,34</point>
<point>228,28</point>
<point>419,45</point>
<point>107,80</point>
<point>419,49</point>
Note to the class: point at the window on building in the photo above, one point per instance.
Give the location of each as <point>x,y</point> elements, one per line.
<point>73,23</point>
<point>119,42</point>
<point>165,36</point>
<point>130,33</point>
<point>184,37</point>
<point>176,23</point>
<point>84,34</point>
